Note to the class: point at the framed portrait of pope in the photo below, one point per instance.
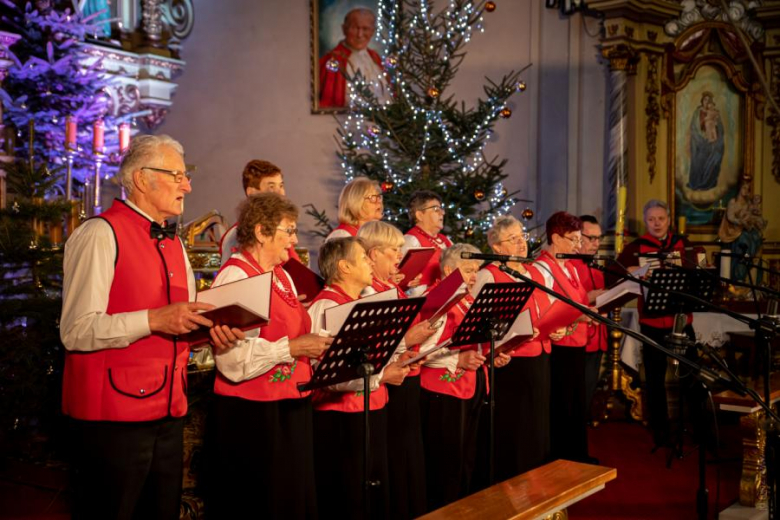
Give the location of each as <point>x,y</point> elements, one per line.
<point>343,43</point>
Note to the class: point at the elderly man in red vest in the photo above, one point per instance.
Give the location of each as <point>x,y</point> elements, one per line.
<point>128,294</point>
<point>352,55</point>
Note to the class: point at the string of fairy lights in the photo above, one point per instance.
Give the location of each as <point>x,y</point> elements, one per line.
<point>455,25</point>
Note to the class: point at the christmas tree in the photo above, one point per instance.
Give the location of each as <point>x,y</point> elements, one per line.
<point>52,80</point>
<point>419,137</point>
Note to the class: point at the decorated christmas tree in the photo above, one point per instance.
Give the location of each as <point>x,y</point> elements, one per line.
<point>53,82</point>
<point>418,136</point>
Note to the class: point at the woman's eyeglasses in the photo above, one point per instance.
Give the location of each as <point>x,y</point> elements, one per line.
<point>374,198</point>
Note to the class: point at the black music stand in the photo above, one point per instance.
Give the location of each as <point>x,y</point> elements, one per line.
<point>488,320</point>
<point>364,344</point>
<point>659,301</point>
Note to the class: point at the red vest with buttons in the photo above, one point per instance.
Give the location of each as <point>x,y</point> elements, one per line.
<point>537,304</point>
<point>432,272</point>
<point>324,399</point>
<point>287,320</point>
<point>147,380</point>
<point>592,279</point>
<point>463,383</point>
<point>568,284</point>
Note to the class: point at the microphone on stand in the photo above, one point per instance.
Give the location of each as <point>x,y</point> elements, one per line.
<point>728,254</point>
<point>566,256</point>
<point>677,340</point>
<point>489,257</point>
<point>663,254</point>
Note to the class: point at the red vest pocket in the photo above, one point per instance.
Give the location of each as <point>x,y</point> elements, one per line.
<point>140,382</point>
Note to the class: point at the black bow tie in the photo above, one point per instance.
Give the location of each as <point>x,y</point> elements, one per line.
<point>159,232</point>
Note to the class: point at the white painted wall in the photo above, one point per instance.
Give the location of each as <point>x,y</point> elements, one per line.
<point>245,94</point>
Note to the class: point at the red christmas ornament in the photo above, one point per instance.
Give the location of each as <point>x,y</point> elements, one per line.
<point>505,113</point>
<point>490,7</point>
<point>528,214</point>
<point>387,186</point>
<point>434,92</point>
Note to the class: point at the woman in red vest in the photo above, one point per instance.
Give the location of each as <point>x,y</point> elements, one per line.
<point>453,392</point>
<point>263,441</point>
<point>338,415</point>
<point>427,214</point>
<point>359,202</point>
<point>568,408</point>
<point>404,442</point>
<point>523,387</point>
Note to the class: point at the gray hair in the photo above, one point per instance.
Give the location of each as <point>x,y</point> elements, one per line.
<point>655,203</point>
<point>450,257</point>
<point>501,223</point>
<point>141,150</point>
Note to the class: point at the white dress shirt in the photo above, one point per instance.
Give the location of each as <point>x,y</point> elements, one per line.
<point>88,269</point>
<point>444,357</point>
<point>253,356</point>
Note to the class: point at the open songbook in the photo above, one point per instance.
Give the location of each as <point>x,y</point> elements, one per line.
<point>444,297</point>
<point>244,304</point>
<point>622,292</point>
<point>335,316</point>
<point>307,283</point>
<point>413,263</point>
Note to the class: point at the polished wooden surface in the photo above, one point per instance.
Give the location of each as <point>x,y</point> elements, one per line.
<point>729,398</point>
<point>539,492</point>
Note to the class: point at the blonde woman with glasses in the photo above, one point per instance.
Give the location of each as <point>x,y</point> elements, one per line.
<point>359,202</point>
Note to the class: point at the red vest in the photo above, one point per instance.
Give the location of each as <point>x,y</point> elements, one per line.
<point>349,228</point>
<point>649,244</point>
<point>147,380</point>
<point>287,320</point>
<point>432,272</point>
<point>463,383</point>
<point>538,304</point>
<point>572,288</point>
<point>325,399</point>
<point>592,279</point>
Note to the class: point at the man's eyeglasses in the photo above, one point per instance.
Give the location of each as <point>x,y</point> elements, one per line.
<point>290,230</point>
<point>436,209</point>
<point>177,175</point>
<point>593,238</point>
<point>515,239</point>
<point>374,198</point>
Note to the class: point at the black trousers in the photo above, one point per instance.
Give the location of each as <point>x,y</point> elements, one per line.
<point>338,461</point>
<point>568,409</point>
<point>261,459</point>
<point>405,453</point>
<point>450,427</point>
<point>127,470</point>
<point>592,369</point>
<point>656,363</point>
<point>522,415</point>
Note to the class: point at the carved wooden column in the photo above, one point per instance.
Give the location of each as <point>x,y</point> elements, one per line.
<point>6,154</point>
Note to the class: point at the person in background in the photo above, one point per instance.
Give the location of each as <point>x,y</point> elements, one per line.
<point>427,215</point>
<point>359,202</point>
<point>263,446</point>
<point>338,416</point>
<point>593,281</point>
<point>127,305</point>
<point>258,177</point>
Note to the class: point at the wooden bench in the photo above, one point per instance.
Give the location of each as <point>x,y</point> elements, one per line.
<point>539,493</point>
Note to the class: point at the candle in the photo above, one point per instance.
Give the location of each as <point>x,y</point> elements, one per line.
<point>98,136</point>
<point>725,264</point>
<point>681,225</point>
<point>124,137</point>
<point>70,132</point>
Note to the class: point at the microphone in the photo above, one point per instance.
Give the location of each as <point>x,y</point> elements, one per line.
<point>678,340</point>
<point>496,258</point>
<point>663,254</point>
<point>564,256</point>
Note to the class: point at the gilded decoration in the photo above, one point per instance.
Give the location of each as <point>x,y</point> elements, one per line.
<point>653,112</point>
<point>699,11</point>
<point>774,120</point>
<point>710,99</point>
<point>621,57</point>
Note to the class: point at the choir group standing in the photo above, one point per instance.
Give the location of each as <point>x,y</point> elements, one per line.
<point>275,451</point>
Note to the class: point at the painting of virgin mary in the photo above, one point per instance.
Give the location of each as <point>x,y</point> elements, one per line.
<point>706,145</point>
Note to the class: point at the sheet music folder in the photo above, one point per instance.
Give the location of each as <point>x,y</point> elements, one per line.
<point>370,334</point>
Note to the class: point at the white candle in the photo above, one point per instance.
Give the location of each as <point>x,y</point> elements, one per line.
<point>725,264</point>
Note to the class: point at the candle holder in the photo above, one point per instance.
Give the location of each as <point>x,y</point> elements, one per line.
<point>97,207</point>
<point>70,155</point>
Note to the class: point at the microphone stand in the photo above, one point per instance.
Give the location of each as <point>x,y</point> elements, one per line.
<point>766,328</point>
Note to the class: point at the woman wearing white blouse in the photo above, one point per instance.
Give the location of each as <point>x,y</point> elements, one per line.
<point>263,440</point>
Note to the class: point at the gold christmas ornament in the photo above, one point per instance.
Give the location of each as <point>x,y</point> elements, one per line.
<point>469,232</point>
<point>528,214</point>
<point>504,192</point>
<point>332,65</point>
<point>391,61</point>
<point>374,130</point>
<point>521,86</point>
<point>490,6</point>
<point>479,194</point>
<point>434,92</point>
<point>505,113</point>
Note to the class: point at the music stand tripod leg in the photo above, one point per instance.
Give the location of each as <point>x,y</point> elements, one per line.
<point>366,370</point>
